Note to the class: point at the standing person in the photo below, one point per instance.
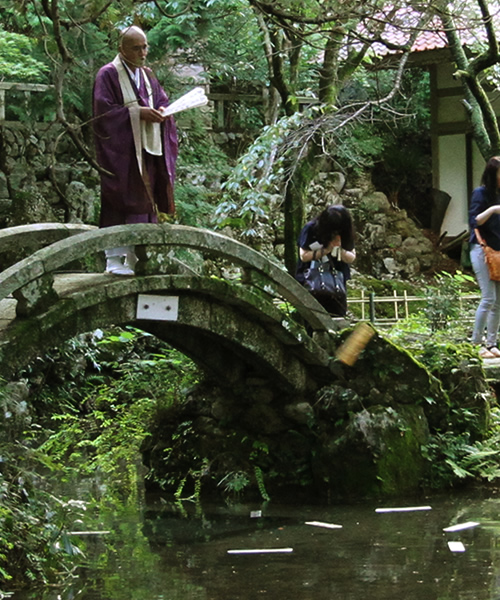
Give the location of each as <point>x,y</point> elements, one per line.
<point>135,144</point>
<point>329,235</point>
<point>484,214</point>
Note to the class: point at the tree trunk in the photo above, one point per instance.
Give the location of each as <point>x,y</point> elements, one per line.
<point>294,205</point>
<point>481,114</point>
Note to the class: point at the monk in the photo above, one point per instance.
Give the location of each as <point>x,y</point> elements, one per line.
<point>135,144</point>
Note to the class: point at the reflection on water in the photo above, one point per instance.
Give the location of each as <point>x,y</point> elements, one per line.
<point>174,552</point>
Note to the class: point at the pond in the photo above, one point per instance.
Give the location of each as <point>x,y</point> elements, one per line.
<point>183,551</point>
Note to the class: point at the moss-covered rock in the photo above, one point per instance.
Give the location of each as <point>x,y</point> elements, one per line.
<point>376,452</point>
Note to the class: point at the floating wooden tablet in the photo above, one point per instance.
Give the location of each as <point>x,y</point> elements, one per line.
<point>456,547</point>
<point>350,350</point>
<point>260,551</point>
<point>461,526</point>
<point>402,509</point>
<point>326,525</point>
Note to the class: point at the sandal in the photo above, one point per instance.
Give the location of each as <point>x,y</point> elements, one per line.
<point>495,351</point>
<point>485,353</point>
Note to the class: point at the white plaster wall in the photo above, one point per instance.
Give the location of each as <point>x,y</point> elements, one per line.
<point>445,72</point>
<point>451,149</point>
<point>453,180</point>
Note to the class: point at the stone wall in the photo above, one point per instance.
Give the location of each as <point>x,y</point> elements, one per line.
<point>389,244</point>
<point>43,178</point>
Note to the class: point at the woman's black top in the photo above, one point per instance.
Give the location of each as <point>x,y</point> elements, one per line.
<point>490,230</point>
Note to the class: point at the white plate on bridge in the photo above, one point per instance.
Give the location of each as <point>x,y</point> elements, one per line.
<point>153,307</point>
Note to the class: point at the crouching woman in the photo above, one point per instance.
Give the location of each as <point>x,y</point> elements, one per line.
<point>328,238</point>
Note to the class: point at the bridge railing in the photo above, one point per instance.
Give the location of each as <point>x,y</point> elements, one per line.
<point>16,243</point>
<point>31,280</point>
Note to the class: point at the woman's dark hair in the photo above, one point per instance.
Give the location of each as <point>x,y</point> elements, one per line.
<point>490,177</point>
<point>335,220</point>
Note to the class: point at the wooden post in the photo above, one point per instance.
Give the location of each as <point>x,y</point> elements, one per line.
<point>372,307</point>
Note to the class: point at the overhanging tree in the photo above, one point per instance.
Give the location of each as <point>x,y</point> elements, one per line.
<point>470,28</point>
<point>343,34</point>
<point>322,43</point>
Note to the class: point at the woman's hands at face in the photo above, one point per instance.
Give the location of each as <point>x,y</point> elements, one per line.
<point>334,242</point>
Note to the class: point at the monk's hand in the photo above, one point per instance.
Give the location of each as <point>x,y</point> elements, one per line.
<point>151,115</point>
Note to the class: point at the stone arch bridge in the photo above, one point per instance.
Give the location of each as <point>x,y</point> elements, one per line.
<point>235,312</point>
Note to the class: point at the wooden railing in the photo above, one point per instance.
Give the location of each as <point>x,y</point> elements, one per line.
<point>27,88</point>
<point>369,307</point>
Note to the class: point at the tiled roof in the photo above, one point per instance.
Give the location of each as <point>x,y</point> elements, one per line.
<point>429,40</point>
<point>402,22</point>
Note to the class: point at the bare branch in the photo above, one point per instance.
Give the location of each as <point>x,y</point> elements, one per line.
<point>170,15</point>
<point>271,9</point>
<point>333,124</point>
<point>491,55</point>
<point>67,24</point>
<point>51,9</point>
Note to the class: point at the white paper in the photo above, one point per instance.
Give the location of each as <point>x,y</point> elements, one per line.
<point>336,252</point>
<point>89,532</point>
<point>193,99</point>
<point>456,547</point>
<point>402,509</point>
<point>321,524</point>
<point>461,526</point>
<point>260,551</point>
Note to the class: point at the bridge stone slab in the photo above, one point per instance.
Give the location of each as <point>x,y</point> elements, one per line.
<point>236,335</point>
<point>36,296</point>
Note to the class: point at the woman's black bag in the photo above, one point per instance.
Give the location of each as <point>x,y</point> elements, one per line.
<point>327,285</point>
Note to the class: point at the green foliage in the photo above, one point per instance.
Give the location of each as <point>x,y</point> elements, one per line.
<point>101,394</point>
<point>234,482</point>
<point>35,541</point>
<point>200,167</point>
<point>358,146</point>
<point>104,444</point>
<point>255,180</point>
<point>465,442</point>
<point>192,207</point>
<point>17,59</point>
<point>453,457</point>
<point>443,302</point>
<point>259,477</point>
<point>443,299</point>
<point>219,33</point>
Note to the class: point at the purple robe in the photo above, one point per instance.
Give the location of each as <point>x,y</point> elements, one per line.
<point>124,198</point>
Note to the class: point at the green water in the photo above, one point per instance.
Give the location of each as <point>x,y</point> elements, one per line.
<point>180,552</point>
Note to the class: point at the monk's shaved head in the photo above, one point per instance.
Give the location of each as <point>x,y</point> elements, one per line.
<point>133,46</point>
<point>130,32</point>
